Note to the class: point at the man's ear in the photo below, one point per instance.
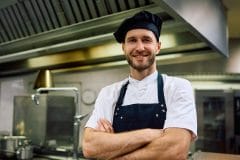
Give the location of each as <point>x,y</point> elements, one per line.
<point>123,45</point>
<point>158,47</point>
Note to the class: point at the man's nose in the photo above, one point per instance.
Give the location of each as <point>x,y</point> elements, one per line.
<point>139,46</point>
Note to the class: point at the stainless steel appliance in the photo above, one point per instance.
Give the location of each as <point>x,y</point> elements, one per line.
<point>215,121</point>
<point>15,147</point>
<point>49,124</point>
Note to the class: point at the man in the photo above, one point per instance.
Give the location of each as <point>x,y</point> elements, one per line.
<point>148,115</point>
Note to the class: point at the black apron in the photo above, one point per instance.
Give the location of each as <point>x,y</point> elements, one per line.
<point>139,116</point>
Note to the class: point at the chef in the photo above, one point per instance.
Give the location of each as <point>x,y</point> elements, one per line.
<point>148,115</point>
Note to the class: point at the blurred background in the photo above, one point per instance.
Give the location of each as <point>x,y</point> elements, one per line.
<point>71,42</point>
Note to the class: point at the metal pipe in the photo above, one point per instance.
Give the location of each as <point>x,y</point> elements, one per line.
<point>77,117</point>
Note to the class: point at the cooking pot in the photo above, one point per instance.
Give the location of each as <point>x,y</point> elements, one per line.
<point>25,152</point>
<point>11,146</point>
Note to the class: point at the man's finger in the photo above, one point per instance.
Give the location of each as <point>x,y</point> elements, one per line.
<point>106,125</point>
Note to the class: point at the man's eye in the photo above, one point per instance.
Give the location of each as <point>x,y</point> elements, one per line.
<point>131,40</point>
<point>146,40</point>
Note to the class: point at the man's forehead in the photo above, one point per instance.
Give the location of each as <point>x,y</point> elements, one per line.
<point>140,33</point>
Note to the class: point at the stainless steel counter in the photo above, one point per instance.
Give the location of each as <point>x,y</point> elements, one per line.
<point>214,156</point>
<point>48,158</point>
<point>43,157</point>
<point>55,158</point>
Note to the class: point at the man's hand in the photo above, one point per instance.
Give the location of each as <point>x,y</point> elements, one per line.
<point>173,144</point>
<point>102,143</point>
<point>104,126</point>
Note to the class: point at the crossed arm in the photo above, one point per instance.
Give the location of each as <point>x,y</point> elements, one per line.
<point>144,144</point>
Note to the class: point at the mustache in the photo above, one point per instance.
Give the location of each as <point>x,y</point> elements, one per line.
<point>135,54</point>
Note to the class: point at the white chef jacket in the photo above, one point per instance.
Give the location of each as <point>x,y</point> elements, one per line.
<point>178,94</point>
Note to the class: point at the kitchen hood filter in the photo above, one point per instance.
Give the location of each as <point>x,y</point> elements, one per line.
<point>44,80</point>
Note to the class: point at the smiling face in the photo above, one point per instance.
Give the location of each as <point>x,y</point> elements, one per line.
<point>140,48</point>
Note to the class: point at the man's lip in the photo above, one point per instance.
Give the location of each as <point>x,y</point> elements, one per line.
<point>139,55</point>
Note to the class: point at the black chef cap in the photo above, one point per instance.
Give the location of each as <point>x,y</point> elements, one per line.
<point>144,20</point>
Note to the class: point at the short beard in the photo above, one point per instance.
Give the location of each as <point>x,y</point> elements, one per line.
<point>141,68</point>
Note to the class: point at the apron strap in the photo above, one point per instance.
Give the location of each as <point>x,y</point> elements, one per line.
<point>161,98</point>
<point>122,94</point>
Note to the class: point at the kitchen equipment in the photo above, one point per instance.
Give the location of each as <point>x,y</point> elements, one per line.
<point>49,124</point>
<point>44,79</point>
<point>12,146</point>
<point>25,152</point>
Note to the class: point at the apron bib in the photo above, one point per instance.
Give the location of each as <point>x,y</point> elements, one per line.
<point>139,116</point>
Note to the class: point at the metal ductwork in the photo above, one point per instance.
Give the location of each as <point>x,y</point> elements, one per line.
<point>59,34</point>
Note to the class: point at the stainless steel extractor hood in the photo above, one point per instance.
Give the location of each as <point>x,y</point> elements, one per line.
<point>56,34</point>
